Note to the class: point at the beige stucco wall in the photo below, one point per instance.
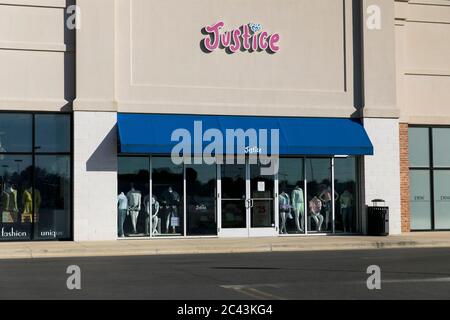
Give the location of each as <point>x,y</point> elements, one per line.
<point>153,63</point>
<point>423,61</point>
<point>36,56</point>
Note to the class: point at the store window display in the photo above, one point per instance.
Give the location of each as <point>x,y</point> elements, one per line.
<point>168,190</point>
<point>320,199</point>
<point>15,174</point>
<point>133,184</point>
<point>345,184</point>
<point>35,176</point>
<point>201,200</point>
<point>291,198</point>
<point>152,219</point>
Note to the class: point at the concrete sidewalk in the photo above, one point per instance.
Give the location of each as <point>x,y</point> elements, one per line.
<point>213,245</point>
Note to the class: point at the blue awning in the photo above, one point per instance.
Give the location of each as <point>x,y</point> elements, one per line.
<point>152,134</point>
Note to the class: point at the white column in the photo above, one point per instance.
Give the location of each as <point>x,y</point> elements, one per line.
<point>95,176</point>
<point>382,171</point>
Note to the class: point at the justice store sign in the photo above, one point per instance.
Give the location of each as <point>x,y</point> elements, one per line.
<point>248,38</point>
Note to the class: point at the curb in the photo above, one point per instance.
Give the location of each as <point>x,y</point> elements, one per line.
<point>83,252</point>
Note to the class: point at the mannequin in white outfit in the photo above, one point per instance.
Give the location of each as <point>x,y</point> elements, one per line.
<point>152,211</point>
<point>134,206</point>
<point>298,204</point>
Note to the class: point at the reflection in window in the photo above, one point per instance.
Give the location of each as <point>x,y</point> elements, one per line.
<point>15,132</point>
<point>52,133</point>
<point>291,198</point>
<point>52,197</point>
<point>201,200</point>
<point>167,188</point>
<point>132,201</point>
<point>346,194</point>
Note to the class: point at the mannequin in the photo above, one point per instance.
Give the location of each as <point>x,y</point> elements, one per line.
<point>171,199</point>
<point>285,208</point>
<point>315,207</point>
<point>27,202</point>
<point>298,204</point>
<point>122,207</point>
<point>134,206</point>
<point>325,197</point>
<point>346,203</point>
<point>156,221</point>
<point>9,204</point>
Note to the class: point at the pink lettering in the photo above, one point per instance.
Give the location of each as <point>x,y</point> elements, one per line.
<point>248,38</point>
<point>236,41</point>
<point>263,45</point>
<point>212,43</point>
<point>273,40</point>
<point>226,39</point>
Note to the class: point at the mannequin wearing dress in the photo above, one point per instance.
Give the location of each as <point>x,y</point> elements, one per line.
<point>134,206</point>
<point>298,204</point>
<point>285,205</point>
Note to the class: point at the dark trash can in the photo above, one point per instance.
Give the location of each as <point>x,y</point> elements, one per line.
<point>378,218</point>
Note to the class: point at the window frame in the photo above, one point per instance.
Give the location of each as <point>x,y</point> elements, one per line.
<point>432,168</point>
<point>33,153</point>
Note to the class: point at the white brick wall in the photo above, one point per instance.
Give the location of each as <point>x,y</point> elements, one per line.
<point>382,171</point>
<point>95,176</point>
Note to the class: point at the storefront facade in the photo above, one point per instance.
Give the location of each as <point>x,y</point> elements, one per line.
<point>326,78</point>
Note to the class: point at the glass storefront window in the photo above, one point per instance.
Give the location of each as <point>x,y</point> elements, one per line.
<point>52,197</point>
<point>238,199</point>
<point>441,147</point>
<point>201,206</point>
<point>35,185</point>
<point>419,147</point>
<point>346,195</point>
<point>320,198</point>
<point>16,132</point>
<point>133,200</point>
<point>442,199</point>
<point>291,198</point>
<point>168,192</point>
<point>16,210</point>
<point>52,133</point>
<point>420,199</point>
<point>429,179</point>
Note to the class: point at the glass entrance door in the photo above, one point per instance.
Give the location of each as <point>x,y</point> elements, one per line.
<point>262,203</point>
<point>247,201</point>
